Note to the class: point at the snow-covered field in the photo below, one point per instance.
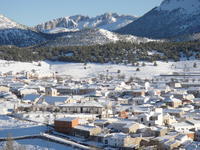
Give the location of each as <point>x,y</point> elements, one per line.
<point>6,66</point>
<point>38,144</point>
<point>19,132</point>
<point>79,70</point>
<point>15,128</point>
<point>7,122</point>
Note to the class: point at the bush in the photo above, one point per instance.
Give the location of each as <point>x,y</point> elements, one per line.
<point>138,69</point>
<point>155,63</point>
<point>195,65</point>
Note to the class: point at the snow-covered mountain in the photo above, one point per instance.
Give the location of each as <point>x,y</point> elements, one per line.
<point>92,37</point>
<point>173,18</point>
<point>12,33</point>
<point>6,23</point>
<point>108,21</point>
<point>84,33</point>
<point>186,6</point>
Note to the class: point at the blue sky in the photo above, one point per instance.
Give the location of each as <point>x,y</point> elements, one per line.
<point>32,12</point>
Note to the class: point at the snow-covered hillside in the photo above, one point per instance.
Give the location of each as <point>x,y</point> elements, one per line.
<point>108,21</point>
<point>12,33</point>
<point>93,37</point>
<point>187,6</point>
<point>173,18</point>
<point>6,23</point>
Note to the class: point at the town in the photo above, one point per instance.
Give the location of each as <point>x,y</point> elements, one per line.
<point>106,111</point>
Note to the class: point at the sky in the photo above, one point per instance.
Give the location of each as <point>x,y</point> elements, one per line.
<point>33,12</point>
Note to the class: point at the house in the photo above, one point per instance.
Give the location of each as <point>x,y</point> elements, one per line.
<point>174,112</point>
<point>39,88</point>
<point>91,107</point>
<point>168,119</point>
<point>122,100</point>
<point>25,91</point>
<point>101,123</point>
<point>134,93</point>
<point>38,74</point>
<point>138,100</point>
<point>125,126</point>
<point>3,110</point>
<point>54,100</point>
<point>138,93</point>
<point>121,140</point>
<point>86,131</point>
<point>186,126</point>
<point>51,92</point>
<point>4,88</point>
<point>197,135</point>
<point>172,101</point>
<point>190,84</point>
<point>173,141</point>
<point>182,127</point>
<point>175,84</point>
<point>169,145</point>
<point>154,92</point>
<point>152,131</point>
<point>63,90</point>
<point>136,110</point>
<point>192,145</point>
<point>123,114</point>
<point>151,119</point>
<point>31,98</point>
<point>14,87</point>
<point>65,125</point>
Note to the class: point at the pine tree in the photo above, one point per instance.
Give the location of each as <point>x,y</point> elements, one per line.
<point>155,63</point>
<point>195,65</point>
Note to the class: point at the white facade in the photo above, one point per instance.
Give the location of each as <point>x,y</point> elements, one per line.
<point>152,118</point>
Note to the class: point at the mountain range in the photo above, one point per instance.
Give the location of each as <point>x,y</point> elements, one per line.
<point>107,21</point>
<point>175,20</point>
<point>68,31</point>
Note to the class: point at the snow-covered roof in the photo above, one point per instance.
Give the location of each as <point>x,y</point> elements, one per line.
<point>85,127</point>
<point>85,104</point>
<point>31,97</point>
<point>117,135</point>
<point>53,99</point>
<point>67,119</point>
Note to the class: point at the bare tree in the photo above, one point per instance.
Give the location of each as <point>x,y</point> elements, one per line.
<point>9,144</point>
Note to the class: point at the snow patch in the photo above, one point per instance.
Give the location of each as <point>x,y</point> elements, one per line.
<point>109,35</point>
<point>189,6</point>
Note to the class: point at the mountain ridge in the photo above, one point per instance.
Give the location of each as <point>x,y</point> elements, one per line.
<point>13,33</point>
<point>108,21</point>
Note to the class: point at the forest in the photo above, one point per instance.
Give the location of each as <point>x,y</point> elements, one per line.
<point>119,52</point>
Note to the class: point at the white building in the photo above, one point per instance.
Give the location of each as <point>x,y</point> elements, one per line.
<point>118,140</point>
<point>152,118</point>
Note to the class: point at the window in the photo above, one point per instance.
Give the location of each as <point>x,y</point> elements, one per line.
<point>142,119</point>
<point>106,141</point>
